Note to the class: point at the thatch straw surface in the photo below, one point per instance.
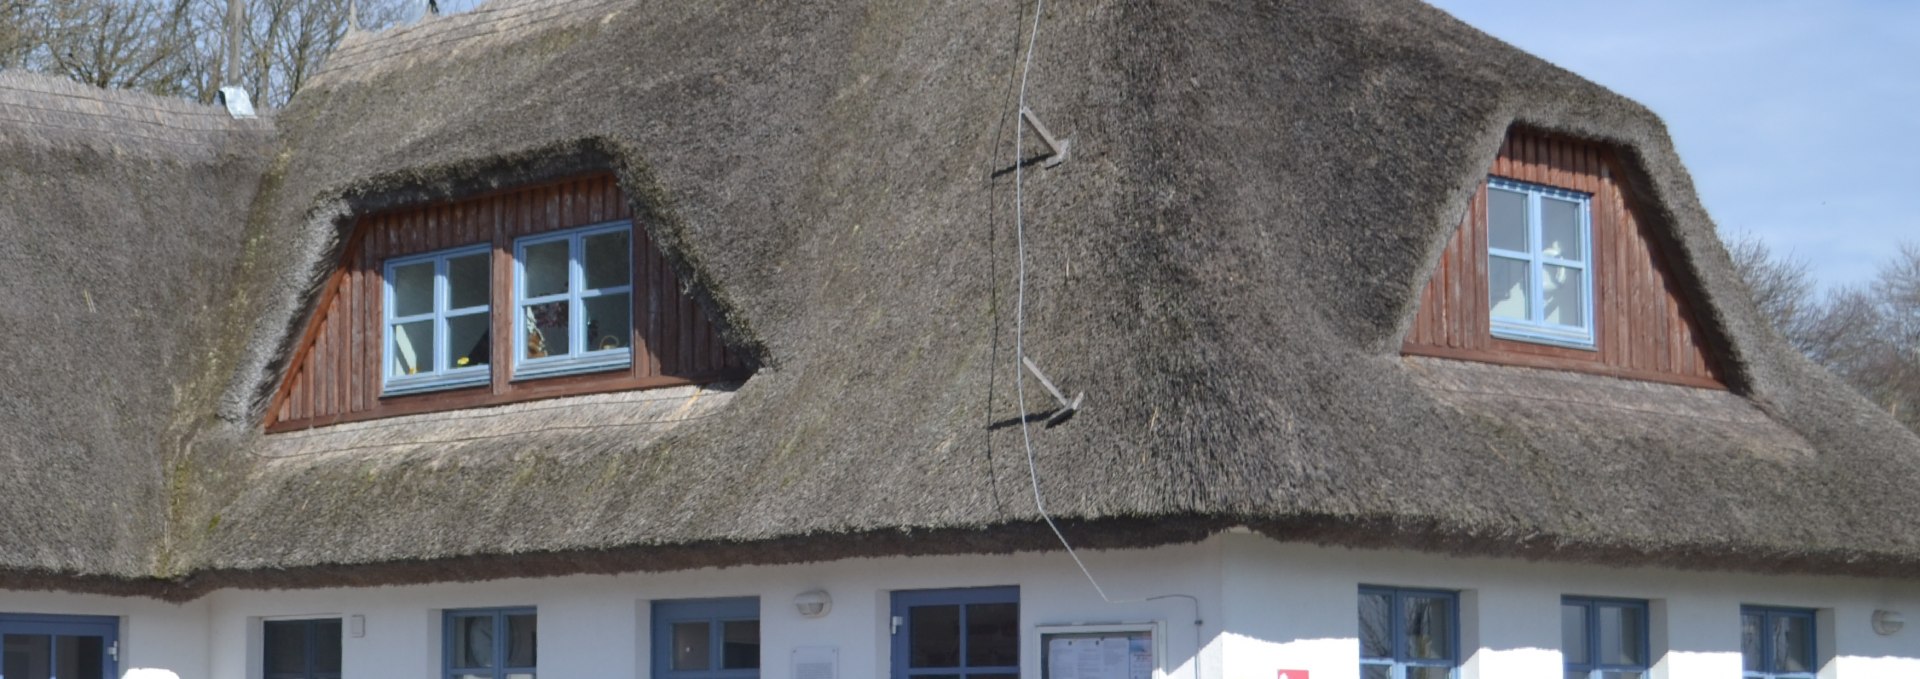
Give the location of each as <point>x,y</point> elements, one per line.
<point>121,221</point>
<point>1226,266</point>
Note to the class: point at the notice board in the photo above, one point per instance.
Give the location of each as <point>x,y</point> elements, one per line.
<point>1099,651</point>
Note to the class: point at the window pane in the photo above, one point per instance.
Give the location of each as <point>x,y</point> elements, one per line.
<point>413,348</point>
<point>691,645</point>
<point>1562,293</point>
<point>546,268</point>
<point>1620,635</point>
<point>413,289</point>
<point>28,655</point>
<point>1573,634</point>
<point>522,640</point>
<point>1560,229</point>
<point>1750,641</point>
<point>1792,644</point>
<point>609,321</point>
<point>1622,675</point>
<point>467,339</point>
<point>1507,220</point>
<point>1576,674</point>
<point>1376,672</point>
<point>935,641</point>
<point>740,645</point>
<point>1376,625</point>
<point>468,281</point>
<point>993,635</point>
<point>546,327</point>
<point>79,658</point>
<point>1429,628</point>
<point>285,648</point>
<point>473,641</point>
<point>1429,673</point>
<point>607,255</point>
<point>1507,295</point>
<point>326,646</point>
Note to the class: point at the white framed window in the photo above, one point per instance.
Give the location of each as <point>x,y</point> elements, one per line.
<point>436,320</point>
<point>1540,263</point>
<point>573,301</point>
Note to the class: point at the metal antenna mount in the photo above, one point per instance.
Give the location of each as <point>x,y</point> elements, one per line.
<point>1056,148</point>
<point>1067,407</point>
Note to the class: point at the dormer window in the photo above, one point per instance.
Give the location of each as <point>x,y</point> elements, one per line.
<point>574,295</point>
<point>1538,283</point>
<point>529,293</point>
<point>437,325</point>
<point>1555,267</point>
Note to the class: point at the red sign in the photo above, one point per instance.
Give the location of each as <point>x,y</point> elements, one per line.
<point>1293,674</point>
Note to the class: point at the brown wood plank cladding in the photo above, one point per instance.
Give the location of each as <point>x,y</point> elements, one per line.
<point>1643,328</point>
<point>334,374</point>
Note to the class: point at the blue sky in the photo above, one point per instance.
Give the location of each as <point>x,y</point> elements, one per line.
<point>1799,120</point>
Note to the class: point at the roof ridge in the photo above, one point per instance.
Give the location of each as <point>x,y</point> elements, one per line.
<point>364,49</point>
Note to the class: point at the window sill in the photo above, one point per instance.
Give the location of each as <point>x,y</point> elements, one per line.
<point>1547,337</point>
<point>404,386</point>
<point>531,370</point>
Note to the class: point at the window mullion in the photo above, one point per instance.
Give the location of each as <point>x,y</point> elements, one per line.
<point>576,283</point>
<point>1537,312</point>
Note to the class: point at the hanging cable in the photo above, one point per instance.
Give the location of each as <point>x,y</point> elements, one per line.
<point>1020,348</point>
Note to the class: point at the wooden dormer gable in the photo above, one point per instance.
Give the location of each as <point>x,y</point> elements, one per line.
<point>356,360</point>
<point>1625,312</point>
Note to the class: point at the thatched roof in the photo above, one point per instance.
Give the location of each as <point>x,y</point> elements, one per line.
<point>1226,266</point>
<point>121,218</point>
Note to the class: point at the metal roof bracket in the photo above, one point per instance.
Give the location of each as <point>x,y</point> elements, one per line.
<point>1067,408</point>
<point>1056,148</point>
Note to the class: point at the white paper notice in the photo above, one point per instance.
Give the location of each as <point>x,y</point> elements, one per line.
<point>1107,657</point>
<point>816,662</point>
<point>1141,648</point>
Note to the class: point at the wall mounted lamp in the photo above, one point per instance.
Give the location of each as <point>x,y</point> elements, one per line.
<point>813,603</point>
<point>1886,623</point>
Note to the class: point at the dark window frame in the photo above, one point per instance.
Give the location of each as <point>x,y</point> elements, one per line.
<point>500,641</point>
<point>310,630</point>
<point>1401,659</point>
<point>1591,611</point>
<point>1767,615</point>
<point>716,613</point>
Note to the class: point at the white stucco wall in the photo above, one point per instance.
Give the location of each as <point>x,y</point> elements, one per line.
<point>1266,606</point>
<point>1294,607</point>
<point>596,627</point>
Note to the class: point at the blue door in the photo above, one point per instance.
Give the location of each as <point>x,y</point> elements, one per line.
<point>969,633</point>
<point>59,647</point>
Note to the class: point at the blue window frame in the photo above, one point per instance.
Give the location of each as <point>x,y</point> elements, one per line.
<point>1409,633</point>
<point>969,633</point>
<point>1604,638</point>
<point>706,639</point>
<point>436,321</point>
<point>491,643</point>
<point>573,301</point>
<point>64,646</point>
<point>1540,263</point>
<point>301,649</point>
<point>1778,643</point>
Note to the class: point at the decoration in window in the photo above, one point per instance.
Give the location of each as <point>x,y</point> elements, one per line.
<point>1408,634</point>
<point>1777,643</point>
<point>437,324</point>
<point>574,292</point>
<point>491,643</point>
<point>1603,638</point>
<point>1539,264</point>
